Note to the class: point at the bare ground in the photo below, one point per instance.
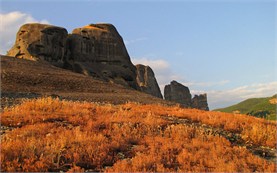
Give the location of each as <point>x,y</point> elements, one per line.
<point>21,79</point>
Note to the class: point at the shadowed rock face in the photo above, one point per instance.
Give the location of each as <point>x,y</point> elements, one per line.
<point>40,42</point>
<point>178,93</point>
<point>98,43</point>
<point>147,81</point>
<point>200,102</point>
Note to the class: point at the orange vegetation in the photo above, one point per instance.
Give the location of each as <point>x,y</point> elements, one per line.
<point>273,101</point>
<point>54,135</point>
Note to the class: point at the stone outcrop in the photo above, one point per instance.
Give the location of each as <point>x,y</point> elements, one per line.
<point>146,81</point>
<point>178,93</point>
<point>181,94</point>
<point>40,42</point>
<point>200,102</point>
<point>96,50</point>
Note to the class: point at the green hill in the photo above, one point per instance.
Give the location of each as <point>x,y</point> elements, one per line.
<point>258,107</point>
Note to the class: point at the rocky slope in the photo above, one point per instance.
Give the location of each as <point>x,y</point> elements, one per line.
<point>21,78</point>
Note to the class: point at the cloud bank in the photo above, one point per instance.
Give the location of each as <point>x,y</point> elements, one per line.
<point>10,23</point>
<point>219,99</point>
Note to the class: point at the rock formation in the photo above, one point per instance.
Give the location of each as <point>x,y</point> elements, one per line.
<point>97,50</point>
<point>200,102</point>
<point>40,42</point>
<point>146,81</point>
<point>180,94</point>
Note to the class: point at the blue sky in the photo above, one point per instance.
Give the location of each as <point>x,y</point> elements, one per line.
<point>224,48</point>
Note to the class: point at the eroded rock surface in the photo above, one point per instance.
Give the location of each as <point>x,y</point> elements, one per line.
<point>36,41</point>
<point>98,50</point>
<point>179,93</point>
<point>200,102</point>
<point>147,82</point>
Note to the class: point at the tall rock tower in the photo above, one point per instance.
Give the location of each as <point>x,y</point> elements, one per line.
<point>179,93</point>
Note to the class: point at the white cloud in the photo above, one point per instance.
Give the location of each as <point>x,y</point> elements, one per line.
<point>219,99</point>
<point>207,84</point>
<point>10,23</point>
<point>157,64</point>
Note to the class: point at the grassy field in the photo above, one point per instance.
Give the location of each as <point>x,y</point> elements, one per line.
<point>259,107</point>
<point>53,135</point>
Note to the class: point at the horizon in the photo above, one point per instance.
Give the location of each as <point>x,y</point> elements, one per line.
<point>225,49</point>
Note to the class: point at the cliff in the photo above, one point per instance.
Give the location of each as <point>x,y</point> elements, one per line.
<point>179,93</point>
<point>95,50</point>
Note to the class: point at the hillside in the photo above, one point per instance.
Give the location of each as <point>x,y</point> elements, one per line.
<point>258,107</point>
<point>64,121</point>
<point>22,78</point>
<point>57,135</point>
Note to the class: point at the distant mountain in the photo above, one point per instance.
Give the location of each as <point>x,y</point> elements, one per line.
<point>258,107</point>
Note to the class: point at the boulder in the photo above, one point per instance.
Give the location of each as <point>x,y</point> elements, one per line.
<point>36,41</point>
<point>200,102</point>
<point>178,93</point>
<point>147,82</point>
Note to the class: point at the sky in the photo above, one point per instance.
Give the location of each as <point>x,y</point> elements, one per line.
<point>225,48</point>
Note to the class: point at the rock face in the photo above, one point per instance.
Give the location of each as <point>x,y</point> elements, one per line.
<point>40,42</point>
<point>180,94</point>
<point>200,102</point>
<point>96,50</point>
<point>146,81</point>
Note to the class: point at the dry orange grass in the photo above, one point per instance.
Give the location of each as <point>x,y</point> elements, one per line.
<point>54,135</point>
<point>273,101</point>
